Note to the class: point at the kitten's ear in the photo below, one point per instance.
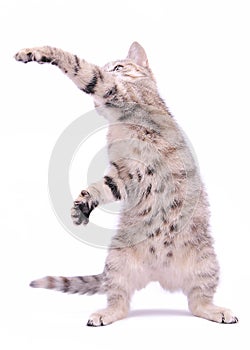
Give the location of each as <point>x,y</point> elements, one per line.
<point>137,54</point>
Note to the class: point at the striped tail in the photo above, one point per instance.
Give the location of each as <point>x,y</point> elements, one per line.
<point>82,285</point>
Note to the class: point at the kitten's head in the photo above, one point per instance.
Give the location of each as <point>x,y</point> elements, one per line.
<point>130,81</point>
<point>135,66</point>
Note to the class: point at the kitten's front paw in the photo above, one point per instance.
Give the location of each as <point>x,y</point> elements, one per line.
<point>82,208</point>
<point>24,55</point>
<point>40,55</point>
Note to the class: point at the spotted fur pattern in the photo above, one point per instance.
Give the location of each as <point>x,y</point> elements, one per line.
<point>163,233</point>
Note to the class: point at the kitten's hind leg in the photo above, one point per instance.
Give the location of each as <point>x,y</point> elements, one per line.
<point>123,276</point>
<point>118,294</point>
<point>118,307</point>
<point>201,305</point>
<point>201,281</point>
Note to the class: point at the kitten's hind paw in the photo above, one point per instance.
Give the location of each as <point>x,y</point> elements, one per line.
<point>96,322</point>
<point>82,208</point>
<point>98,319</point>
<point>213,313</point>
<point>229,318</point>
<point>106,316</point>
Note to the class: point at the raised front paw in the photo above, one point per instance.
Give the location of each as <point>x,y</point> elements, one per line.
<point>40,55</point>
<point>82,208</point>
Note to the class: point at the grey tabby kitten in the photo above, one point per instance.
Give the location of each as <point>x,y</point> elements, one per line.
<point>163,233</point>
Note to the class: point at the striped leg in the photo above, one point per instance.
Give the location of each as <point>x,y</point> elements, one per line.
<point>85,75</point>
<point>107,190</point>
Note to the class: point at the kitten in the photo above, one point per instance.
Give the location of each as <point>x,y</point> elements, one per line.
<point>163,233</point>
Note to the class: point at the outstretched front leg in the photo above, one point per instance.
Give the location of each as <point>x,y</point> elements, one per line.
<point>85,75</point>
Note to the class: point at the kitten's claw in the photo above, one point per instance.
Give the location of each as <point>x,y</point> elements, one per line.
<point>96,320</point>
<point>82,208</point>
<point>230,319</point>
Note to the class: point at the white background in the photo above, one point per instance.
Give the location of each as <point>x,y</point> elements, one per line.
<point>199,52</point>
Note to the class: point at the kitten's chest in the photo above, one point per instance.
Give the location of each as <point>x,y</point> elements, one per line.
<point>128,140</point>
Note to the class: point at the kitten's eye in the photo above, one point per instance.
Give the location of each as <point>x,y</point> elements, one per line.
<point>118,68</point>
